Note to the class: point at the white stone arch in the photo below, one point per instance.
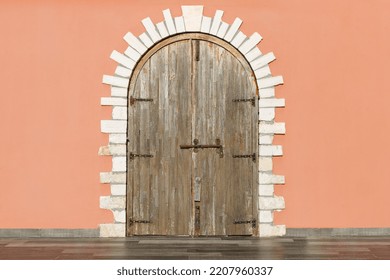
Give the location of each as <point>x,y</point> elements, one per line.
<point>192,20</point>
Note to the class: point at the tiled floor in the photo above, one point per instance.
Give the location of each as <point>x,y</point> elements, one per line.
<point>353,248</point>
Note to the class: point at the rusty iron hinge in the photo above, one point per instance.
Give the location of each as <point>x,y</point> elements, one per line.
<point>253,156</point>
<point>252,100</point>
<point>132,156</point>
<point>133,100</point>
<point>131,222</point>
<point>196,146</point>
<point>253,222</point>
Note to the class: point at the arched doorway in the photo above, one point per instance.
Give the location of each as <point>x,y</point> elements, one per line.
<point>221,36</point>
<point>193,134</point>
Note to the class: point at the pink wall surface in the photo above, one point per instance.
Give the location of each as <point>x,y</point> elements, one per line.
<point>333,55</point>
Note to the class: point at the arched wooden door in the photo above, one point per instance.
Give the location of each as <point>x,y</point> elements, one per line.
<point>192,150</point>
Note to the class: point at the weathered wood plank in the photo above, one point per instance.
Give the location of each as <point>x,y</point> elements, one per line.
<point>154,81</point>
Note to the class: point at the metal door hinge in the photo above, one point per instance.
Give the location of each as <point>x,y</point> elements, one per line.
<point>132,156</point>
<point>131,222</point>
<point>252,100</point>
<point>253,156</point>
<point>133,100</point>
<point>253,222</point>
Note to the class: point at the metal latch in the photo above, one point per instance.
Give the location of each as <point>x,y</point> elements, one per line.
<point>252,100</point>
<point>133,100</point>
<point>253,222</point>
<point>196,146</point>
<point>131,222</point>
<point>253,156</point>
<point>132,156</point>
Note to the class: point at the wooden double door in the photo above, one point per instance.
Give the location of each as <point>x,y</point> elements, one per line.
<point>192,149</point>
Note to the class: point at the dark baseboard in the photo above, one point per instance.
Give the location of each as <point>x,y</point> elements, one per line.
<point>26,233</point>
<point>330,232</point>
<point>290,232</point>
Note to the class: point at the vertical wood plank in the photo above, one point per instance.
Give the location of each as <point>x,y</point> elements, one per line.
<point>156,79</point>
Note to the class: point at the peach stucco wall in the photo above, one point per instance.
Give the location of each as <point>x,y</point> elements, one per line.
<point>333,55</point>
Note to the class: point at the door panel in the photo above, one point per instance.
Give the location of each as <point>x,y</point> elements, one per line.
<point>226,182</point>
<point>161,184</point>
<point>193,84</point>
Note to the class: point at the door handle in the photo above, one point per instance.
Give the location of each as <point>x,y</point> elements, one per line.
<point>196,146</point>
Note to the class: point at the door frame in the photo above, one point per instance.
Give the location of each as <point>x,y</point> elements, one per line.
<point>136,71</point>
<point>191,22</point>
